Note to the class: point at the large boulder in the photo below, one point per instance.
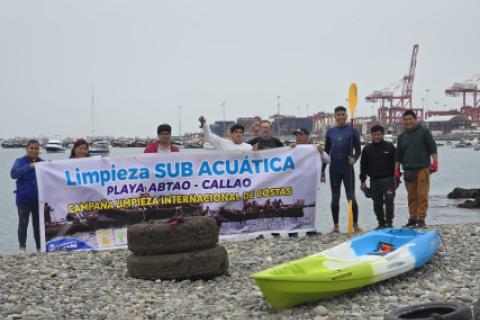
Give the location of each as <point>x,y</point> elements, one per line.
<point>460,193</point>
<point>471,204</point>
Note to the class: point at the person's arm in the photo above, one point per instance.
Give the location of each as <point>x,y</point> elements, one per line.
<point>432,150</point>
<point>325,157</point>
<point>212,138</point>
<point>356,144</point>
<point>328,147</point>
<point>19,170</point>
<point>363,165</point>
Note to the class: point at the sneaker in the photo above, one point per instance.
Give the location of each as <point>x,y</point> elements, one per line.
<point>411,223</point>
<point>357,229</point>
<point>22,251</point>
<point>421,223</point>
<point>380,226</point>
<point>336,229</point>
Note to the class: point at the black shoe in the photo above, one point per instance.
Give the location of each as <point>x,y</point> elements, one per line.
<point>421,223</point>
<point>293,234</point>
<point>412,223</point>
<point>389,225</point>
<point>380,226</point>
<point>313,233</point>
<point>260,236</point>
<point>276,235</point>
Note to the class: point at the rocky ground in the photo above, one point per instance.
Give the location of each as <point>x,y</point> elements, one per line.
<point>95,285</point>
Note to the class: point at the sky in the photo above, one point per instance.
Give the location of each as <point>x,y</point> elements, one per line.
<point>147,58</point>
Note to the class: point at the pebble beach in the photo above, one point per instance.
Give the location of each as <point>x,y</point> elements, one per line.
<point>95,285</point>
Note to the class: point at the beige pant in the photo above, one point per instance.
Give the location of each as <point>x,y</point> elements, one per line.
<point>418,194</point>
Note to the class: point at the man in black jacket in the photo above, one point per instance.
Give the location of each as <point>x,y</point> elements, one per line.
<point>378,162</point>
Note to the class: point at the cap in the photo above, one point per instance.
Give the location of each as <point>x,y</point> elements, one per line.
<point>164,127</point>
<point>300,131</point>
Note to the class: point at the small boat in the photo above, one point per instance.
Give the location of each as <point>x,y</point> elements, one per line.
<point>54,145</point>
<point>100,147</point>
<point>364,260</point>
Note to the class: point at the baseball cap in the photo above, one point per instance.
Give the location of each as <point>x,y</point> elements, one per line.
<point>300,131</point>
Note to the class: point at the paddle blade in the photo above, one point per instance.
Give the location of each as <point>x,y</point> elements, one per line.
<point>352,98</point>
<point>350,218</point>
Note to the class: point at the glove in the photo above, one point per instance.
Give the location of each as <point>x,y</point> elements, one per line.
<point>396,177</point>
<point>397,174</point>
<point>434,166</point>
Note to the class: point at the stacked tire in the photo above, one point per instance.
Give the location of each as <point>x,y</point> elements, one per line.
<point>188,250</point>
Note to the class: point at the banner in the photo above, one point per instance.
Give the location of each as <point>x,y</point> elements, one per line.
<point>89,203</point>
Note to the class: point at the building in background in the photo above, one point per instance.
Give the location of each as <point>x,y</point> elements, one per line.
<point>447,124</point>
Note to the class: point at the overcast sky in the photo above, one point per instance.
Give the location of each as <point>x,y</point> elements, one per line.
<point>146,58</point>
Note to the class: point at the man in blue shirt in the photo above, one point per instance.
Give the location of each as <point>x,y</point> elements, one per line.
<point>23,171</point>
<point>338,144</point>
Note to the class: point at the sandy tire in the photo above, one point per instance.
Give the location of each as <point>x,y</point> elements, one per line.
<point>476,310</point>
<point>433,311</point>
<point>151,238</point>
<point>203,264</point>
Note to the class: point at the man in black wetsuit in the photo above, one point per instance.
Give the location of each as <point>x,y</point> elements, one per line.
<point>378,162</point>
<point>338,145</point>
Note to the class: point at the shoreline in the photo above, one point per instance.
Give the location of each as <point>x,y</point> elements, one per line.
<point>95,284</point>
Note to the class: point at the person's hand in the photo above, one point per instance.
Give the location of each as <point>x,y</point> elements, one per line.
<point>351,160</point>
<point>293,145</point>
<point>202,121</point>
<point>434,167</point>
<point>320,148</point>
<point>322,177</point>
<point>363,186</point>
<point>255,147</point>
<point>397,174</point>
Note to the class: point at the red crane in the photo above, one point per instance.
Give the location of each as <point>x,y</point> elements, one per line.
<point>470,86</point>
<point>397,98</point>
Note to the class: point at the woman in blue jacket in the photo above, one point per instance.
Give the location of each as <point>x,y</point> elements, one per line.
<point>23,171</point>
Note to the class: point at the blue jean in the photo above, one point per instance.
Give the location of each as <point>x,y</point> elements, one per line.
<point>24,211</point>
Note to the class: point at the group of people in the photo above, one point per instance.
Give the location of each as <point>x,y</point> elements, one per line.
<point>380,161</point>
<point>23,171</point>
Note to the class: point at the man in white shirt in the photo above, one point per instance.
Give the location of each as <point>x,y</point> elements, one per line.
<point>236,144</point>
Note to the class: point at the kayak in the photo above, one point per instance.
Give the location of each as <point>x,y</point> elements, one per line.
<point>364,260</point>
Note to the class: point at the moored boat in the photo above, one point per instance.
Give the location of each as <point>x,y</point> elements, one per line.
<point>100,147</point>
<point>54,145</point>
<point>364,260</point>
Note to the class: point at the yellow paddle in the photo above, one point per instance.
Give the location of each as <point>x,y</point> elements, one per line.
<point>352,104</point>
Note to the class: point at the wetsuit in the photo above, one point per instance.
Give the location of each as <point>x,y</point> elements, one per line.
<point>338,146</point>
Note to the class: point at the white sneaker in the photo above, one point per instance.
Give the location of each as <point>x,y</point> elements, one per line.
<point>22,251</point>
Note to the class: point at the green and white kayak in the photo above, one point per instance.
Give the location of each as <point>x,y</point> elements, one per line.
<point>346,267</point>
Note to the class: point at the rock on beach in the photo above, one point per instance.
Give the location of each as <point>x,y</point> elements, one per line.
<point>95,285</point>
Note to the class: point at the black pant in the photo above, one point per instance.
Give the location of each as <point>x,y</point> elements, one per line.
<point>383,193</point>
<point>24,211</point>
<point>336,179</point>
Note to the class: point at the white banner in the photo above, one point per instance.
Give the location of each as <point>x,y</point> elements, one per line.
<point>89,203</point>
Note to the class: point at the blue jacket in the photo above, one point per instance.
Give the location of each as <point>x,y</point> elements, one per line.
<point>27,191</point>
